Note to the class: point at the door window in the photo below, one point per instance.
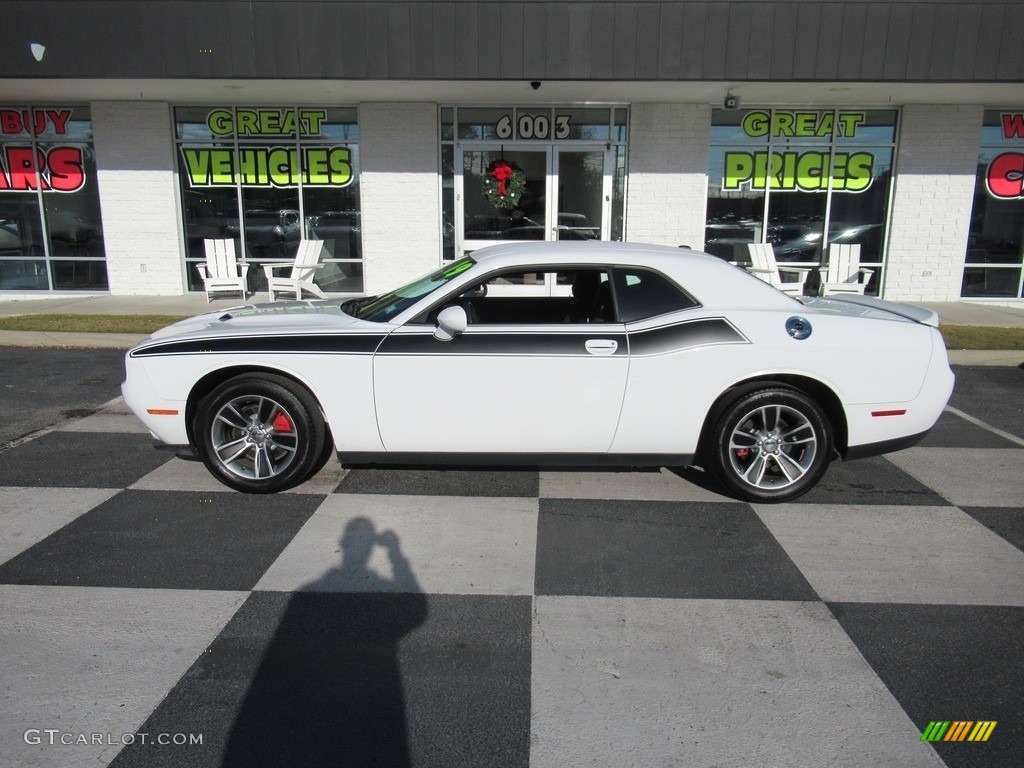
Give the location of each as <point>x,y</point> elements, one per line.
<point>581,296</point>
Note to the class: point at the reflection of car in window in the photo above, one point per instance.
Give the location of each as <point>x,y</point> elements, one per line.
<point>519,226</point>
<point>271,227</point>
<point>10,237</point>
<point>725,240</point>
<point>804,244</point>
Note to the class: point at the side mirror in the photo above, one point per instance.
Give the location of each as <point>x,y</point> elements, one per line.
<point>450,323</point>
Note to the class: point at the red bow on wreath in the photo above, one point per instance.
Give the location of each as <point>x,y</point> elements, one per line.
<point>502,171</point>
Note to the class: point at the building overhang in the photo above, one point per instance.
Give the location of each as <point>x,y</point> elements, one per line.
<point>285,91</point>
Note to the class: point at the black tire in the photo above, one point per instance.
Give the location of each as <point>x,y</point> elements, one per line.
<point>770,445</point>
<point>259,433</point>
<point>325,454</point>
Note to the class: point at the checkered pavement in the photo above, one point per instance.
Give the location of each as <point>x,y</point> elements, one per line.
<point>448,618</point>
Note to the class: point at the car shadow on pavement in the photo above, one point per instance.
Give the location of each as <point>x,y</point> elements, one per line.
<point>329,689</point>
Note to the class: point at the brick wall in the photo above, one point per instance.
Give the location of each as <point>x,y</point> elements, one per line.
<point>936,164</point>
<point>138,197</point>
<point>399,192</point>
<point>666,194</point>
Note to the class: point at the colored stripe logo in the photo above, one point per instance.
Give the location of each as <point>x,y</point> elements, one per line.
<point>958,730</point>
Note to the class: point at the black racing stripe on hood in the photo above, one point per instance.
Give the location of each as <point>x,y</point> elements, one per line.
<point>332,344</point>
<point>688,335</point>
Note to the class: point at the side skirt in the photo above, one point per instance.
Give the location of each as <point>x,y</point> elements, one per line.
<point>576,461</point>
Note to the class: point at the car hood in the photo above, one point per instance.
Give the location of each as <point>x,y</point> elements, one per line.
<point>260,319</point>
<point>868,306</point>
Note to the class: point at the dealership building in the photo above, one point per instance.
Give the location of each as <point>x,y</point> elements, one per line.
<point>404,134</point>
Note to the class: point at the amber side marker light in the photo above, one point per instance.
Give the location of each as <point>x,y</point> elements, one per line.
<point>889,413</point>
<point>162,411</point>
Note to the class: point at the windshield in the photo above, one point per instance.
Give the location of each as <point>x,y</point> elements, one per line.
<point>384,307</point>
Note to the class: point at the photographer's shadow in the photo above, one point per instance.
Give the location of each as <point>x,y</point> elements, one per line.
<point>328,691</point>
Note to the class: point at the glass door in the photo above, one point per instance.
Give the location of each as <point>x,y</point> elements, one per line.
<point>534,193</point>
<point>504,196</point>
<point>583,181</point>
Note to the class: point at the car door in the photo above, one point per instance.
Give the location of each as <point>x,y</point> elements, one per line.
<point>524,377</point>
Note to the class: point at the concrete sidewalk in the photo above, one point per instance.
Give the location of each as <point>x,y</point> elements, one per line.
<point>950,313</point>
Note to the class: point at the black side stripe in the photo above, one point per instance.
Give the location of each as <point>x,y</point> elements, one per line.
<point>681,336</point>
<point>655,341</point>
<point>330,344</point>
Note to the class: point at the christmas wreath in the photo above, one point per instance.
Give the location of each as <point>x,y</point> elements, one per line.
<point>504,183</point>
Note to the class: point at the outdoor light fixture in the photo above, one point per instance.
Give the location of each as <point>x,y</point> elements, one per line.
<point>38,50</point>
<point>731,102</point>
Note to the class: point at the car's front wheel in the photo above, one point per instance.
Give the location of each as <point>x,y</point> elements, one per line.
<point>770,445</point>
<point>259,433</point>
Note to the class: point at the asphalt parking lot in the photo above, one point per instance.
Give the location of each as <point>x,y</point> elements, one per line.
<point>431,618</point>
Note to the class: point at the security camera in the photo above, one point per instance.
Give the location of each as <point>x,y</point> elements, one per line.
<point>535,85</point>
<point>731,102</point>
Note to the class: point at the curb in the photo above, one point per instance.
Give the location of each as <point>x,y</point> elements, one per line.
<point>77,340</point>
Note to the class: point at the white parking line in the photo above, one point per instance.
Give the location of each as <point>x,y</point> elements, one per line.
<point>983,425</point>
<point>55,427</point>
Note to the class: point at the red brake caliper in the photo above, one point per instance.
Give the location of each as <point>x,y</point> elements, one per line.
<point>282,423</point>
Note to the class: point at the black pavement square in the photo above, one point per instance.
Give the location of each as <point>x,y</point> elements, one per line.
<point>952,431</point>
<point>1007,522</point>
<point>948,662</point>
<point>661,549</point>
<point>440,482</point>
<point>873,480</point>
<point>81,460</point>
<point>314,679</point>
<point>167,540</point>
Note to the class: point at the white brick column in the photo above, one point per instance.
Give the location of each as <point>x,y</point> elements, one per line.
<point>666,196</point>
<point>935,171</point>
<point>399,191</point>
<point>138,197</point>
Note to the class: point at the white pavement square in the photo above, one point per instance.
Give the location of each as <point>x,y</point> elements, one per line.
<point>898,554</point>
<point>978,477</point>
<point>32,514</point>
<point>452,544</point>
<point>87,661</point>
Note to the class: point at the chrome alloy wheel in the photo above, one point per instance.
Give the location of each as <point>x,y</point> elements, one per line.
<point>254,437</point>
<point>773,446</point>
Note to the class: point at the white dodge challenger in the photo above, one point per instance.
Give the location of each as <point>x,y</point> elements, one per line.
<point>549,355</point>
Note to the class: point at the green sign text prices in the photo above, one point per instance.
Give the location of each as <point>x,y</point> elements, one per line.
<point>803,171</point>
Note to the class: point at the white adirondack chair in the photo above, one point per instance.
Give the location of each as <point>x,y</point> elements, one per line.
<point>764,266</point>
<point>301,272</point>
<point>222,270</point>
<point>844,274</point>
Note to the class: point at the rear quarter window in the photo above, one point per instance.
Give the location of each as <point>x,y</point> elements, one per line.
<point>643,293</point>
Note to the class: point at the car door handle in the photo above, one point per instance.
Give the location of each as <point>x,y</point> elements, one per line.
<point>602,346</point>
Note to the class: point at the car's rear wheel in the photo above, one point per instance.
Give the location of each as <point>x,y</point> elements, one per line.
<point>259,433</point>
<point>770,445</point>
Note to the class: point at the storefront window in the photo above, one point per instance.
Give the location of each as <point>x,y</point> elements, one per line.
<point>993,261</point>
<point>800,180</point>
<point>268,178</point>
<point>51,237</point>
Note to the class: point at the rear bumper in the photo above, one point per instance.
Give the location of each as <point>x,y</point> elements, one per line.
<point>884,446</point>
